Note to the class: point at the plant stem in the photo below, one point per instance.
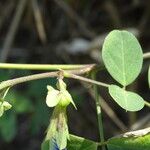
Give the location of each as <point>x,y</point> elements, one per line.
<point>102,143</point>
<point>70,75</point>
<point>146,55</point>
<point>147,104</point>
<point>12,82</point>
<point>99,112</point>
<point>42,66</point>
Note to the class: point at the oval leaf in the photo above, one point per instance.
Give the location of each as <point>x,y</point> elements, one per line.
<point>122,56</point>
<point>127,100</point>
<point>131,141</point>
<point>79,143</point>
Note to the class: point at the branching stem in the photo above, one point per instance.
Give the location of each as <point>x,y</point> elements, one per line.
<point>70,74</point>
<point>71,71</point>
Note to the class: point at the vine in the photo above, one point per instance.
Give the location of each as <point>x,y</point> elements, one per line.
<point>123,59</point>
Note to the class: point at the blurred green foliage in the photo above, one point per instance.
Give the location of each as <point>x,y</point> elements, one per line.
<point>8,126</point>
<point>26,101</point>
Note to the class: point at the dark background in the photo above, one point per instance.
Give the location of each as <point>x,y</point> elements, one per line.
<point>66,32</point>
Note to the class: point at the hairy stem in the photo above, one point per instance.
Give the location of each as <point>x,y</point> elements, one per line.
<point>99,112</point>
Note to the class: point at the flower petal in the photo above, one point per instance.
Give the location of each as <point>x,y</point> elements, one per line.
<point>52,98</point>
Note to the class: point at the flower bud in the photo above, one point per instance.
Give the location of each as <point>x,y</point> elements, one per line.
<point>4,106</point>
<point>65,98</point>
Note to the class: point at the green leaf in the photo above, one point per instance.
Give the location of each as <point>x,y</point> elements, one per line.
<point>122,56</point>
<point>149,76</point>
<point>79,143</point>
<point>75,143</point>
<point>45,145</point>
<point>127,100</point>
<point>8,126</point>
<point>130,141</point>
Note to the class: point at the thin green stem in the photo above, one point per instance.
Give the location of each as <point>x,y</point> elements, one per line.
<point>99,112</point>
<point>42,66</point>
<point>147,104</point>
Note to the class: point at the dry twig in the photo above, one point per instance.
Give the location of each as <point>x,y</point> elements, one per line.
<point>12,30</point>
<point>39,21</point>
